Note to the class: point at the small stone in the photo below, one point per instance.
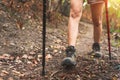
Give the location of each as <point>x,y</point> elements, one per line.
<point>60,52</point>
<point>31,47</point>
<point>30,57</point>
<point>12,43</point>
<point>49,56</point>
<point>18,61</point>
<point>78,77</point>
<point>23,28</point>
<point>6,55</point>
<point>58,41</point>
<point>6,25</point>
<point>29,17</point>
<point>32,53</point>
<point>16,72</point>
<point>25,56</point>
<point>51,46</point>
<point>55,51</point>
<point>29,62</point>
<point>39,56</point>
<point>10,78</point>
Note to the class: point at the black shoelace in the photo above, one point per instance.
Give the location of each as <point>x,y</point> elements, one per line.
<point>70,51</point>
<point>96,47</point>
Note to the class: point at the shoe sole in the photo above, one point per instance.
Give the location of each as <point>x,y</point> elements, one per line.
<point>96,54</point>
<point>68,62</point>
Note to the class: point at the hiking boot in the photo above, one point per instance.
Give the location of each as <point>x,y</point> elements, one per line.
<point>96,51</point>
<point>70,59</point>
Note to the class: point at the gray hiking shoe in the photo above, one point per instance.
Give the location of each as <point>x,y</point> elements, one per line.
<point>96,51</point>
<point>70,59</point>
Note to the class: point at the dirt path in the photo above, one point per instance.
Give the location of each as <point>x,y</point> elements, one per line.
<point>85,40</point>
<point>21,52</point>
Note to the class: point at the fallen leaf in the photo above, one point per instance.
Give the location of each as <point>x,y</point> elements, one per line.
<point>3,73</point>
<point>19,24</point>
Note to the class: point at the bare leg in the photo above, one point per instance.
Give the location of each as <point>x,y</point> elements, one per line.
<point>97,10</point>
<point>75,15</point>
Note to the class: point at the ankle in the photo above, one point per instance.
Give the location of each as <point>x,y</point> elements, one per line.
<point>96,46</point>
<point>70,48</point>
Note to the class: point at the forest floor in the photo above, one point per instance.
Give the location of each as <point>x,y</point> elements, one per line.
<point>21,52</point>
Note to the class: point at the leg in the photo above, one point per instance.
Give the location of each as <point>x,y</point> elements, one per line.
<point>75,15</point>
<point>97,10</point>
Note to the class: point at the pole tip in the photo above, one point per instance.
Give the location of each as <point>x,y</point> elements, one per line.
<point>43,73</point>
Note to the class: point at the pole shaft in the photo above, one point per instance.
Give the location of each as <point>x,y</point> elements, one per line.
<point>44,36</point>
<point>108,28</point>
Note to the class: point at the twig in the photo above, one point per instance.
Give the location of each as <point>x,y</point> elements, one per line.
<point>54,74</point>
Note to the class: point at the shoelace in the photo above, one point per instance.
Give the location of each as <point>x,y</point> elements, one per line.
<point>70,51</point>
<point>96,47</point>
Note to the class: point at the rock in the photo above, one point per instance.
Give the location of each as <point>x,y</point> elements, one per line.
<point>51,46</point>
<point>25,56</point>
<point>29,62</point>
<point>48,56</point>
<point>18,61</point>
<point>58,41</point>
<point>32,53</point>
<point>57,46</point>
<point>39,56</point>
<point>16,73</point>
<point>78,77</point>
<point>60,52</point>
<point>6,55</point>
<point>30,57</point>
<point>12,43</point>
<point>55,50</point>
<point>10,78</point>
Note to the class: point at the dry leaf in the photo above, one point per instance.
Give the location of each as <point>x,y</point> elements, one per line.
<point>19,24</point>
<point>3,73</point>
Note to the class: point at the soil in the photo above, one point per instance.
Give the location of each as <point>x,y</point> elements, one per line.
<point>21,52</point>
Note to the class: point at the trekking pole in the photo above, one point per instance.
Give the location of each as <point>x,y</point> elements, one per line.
<point>108,28</point>
<point>44,37</point>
